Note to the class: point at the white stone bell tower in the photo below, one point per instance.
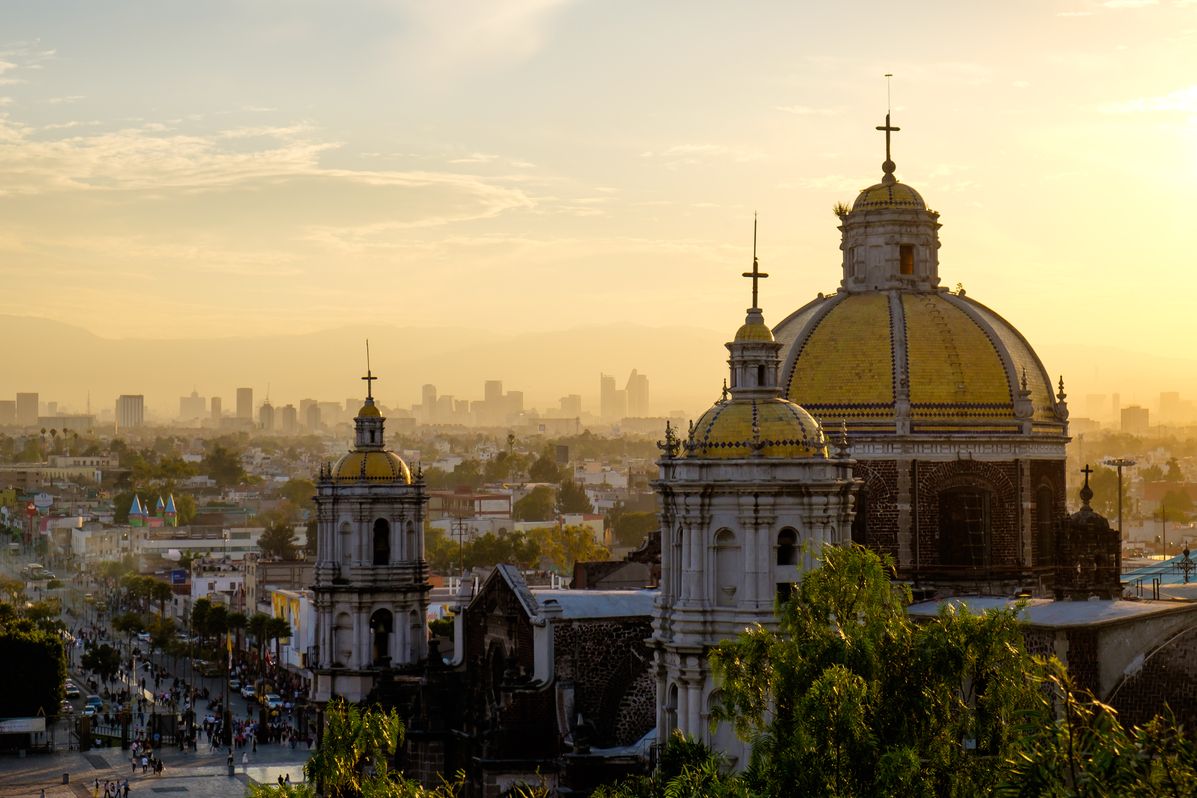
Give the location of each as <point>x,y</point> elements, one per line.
<point>371,591</point>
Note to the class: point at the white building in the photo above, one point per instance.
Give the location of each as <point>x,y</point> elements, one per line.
<point>371,590</point>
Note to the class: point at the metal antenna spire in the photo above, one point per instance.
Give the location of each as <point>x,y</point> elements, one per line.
<point>756,274</point>
<point>369,378</point>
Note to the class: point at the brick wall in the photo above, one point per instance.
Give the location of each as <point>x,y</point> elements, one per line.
<point>606,659</point>
<point>1168,677</point>
<point>999,478</point>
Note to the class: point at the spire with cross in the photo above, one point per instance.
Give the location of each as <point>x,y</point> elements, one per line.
<point>369,378</point>
<point>756,274</point>
<point>888,167</point>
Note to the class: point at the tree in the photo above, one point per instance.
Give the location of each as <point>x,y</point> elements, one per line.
<point>278,540</point>
<point>545,469</point>
<point>102,660</point>
<point>631,528</point>
<point>851,697</point>
<point>32,668</point>
<point>561,548</point>
<point>572,498</point>
<point>538,505</point>
<point>223,465</point>
<point>467,474</point>
<point>299,492</point>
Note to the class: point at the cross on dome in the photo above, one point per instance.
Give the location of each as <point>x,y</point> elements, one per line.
<point>369,378</point>
<point>888,167</point>
<point>756,274</point>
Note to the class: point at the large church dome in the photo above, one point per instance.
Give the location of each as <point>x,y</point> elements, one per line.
<point>937,361</point>
<point>893,352</point>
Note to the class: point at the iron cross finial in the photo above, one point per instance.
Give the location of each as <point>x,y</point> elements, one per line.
<point>369,378</point>
<point>756,274</point>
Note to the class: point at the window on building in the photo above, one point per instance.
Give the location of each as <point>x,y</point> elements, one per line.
<point>964,534</point>
<point>381,626</point>
<point>784,591</point>
<point>727,568</point>
<point>760,376</point>
<point>1045,501</point>
<point>860,521</point>
<point>382,542</point>
<point>787,547</point>
<point>906,256</point>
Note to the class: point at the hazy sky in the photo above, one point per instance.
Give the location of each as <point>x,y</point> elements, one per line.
<point>183,169</point>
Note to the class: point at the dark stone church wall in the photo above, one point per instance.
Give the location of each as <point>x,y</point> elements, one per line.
<point>1083,664</point>
<point>1050,474</point>
<point>1169,676</point>
<point>1000,478</point>
<point>880,487</point>
<point>605,660</point>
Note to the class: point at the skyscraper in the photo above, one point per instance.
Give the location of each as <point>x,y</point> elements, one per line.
<point>245,403</point>
<point>192,407</point>
<point>216,408</point>
<point>266,417</point>
<point>8,412</point>
<point>27,409</point>
<point>637,390</point>
<point>130,412</point>
<point>613,403</point>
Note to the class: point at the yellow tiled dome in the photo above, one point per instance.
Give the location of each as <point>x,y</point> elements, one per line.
<point>784,430</point>
<point>375,465</point>
<point>850,356</point>
<point>753,332</point>
<point>889,195</point>
<point>369,410</point>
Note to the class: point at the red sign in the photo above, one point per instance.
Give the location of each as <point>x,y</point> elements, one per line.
<point>30,509</point>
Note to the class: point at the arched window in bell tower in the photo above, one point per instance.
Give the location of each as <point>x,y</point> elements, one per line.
<point>727,568</point>
<point>760,376</point>
<point>382,542</point>
<point>381,626</point>
<point>787,547</point>
<point>906,258</point>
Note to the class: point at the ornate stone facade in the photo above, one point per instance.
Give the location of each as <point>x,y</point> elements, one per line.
<point>744,509</point>
<point>371,590</point>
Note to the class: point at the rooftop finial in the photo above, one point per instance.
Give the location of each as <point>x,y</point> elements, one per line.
<point>1086,491</point>
<point>369,378</point>
<point>756,274</point>
<point>888,167</point>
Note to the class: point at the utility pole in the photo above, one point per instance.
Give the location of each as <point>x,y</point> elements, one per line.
<point>1120,463</point>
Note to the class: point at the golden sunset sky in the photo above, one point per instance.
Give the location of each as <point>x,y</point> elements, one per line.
<point>193,170</point>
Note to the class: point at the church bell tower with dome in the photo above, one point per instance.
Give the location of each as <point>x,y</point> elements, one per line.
<point>747,500</point>
<point>371,591</point>
<point>956,428</point>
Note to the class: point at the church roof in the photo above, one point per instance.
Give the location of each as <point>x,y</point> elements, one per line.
<point>772,427</point>
<point>889,195</point>
<point>859,357</point>
<point>372,465</point>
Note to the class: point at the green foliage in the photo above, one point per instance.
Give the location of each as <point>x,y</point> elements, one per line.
<point>445,553</point>
<point>102,660</point>
<point>538,505</point>
<point>466,474</point>
<point>851,697</point>
<point>631,528</point>
<point>561,548</point>
<point>278,540</point>
<point>545,469</point>
<point>572,498</point>
<point>32,667</point>
<point>222,463</point>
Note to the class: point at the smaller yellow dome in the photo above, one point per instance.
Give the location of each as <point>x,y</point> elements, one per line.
<point>369,411</point>
<point>889,195</point>
<point>783,430</point>
<point>374,465</point>
<point>753,332</point>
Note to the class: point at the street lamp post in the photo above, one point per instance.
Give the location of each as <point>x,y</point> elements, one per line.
<point>1120,463</point>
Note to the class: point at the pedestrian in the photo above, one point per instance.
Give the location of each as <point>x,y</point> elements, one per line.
<point>245,759</point>
<point>280,783</point>
<point>287,781</point>
<point>133,759</point>
<point>145,763</point>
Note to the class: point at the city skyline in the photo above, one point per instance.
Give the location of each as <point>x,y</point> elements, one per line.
<point>549,193</point>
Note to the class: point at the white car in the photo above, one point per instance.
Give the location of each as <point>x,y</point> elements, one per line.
<point>143,637</point>
<point>89,711</point>
<point>273,701</point>
<point>248,692</point>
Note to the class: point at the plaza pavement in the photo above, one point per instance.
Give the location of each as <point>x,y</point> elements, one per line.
<point>185,775</point>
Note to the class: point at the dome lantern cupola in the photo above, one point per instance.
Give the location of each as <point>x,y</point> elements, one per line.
<point>755,355</point>
<point>368,424</point>
<point>890,238</point>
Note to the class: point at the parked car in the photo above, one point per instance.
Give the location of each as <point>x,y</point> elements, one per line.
<point>234,683</point>
<point>65,708</point>
<point>272,701</point>
<point>248,692</point>
<point>89,711</point>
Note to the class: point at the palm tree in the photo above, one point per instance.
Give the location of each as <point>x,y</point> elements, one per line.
<point>277,630</point>
<point>257,626</point>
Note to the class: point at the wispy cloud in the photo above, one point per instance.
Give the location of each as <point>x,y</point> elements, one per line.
<point>1129,3</point>
<point>686,154</point>
<point>1182,100</point>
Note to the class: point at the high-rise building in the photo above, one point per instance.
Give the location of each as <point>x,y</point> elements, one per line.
<point>1116,407</point>
<point>288,419</point>
<point>1134,420</point>
<point>215,404</point>
<point>192,407</point>
<point>493,392</point>
<point>331,413</point>
<point>311,417</point>
<point>571,406</point>
<point>613,403</point>
<point>637,390</point>
<point>1170,407</point>
<point>245,403</point>
<point>513,402</point>
<point>266,417</point>
<point>8,412</point>
<point>305,407</point>
<point>130,412</point>
<point>27,409</point>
